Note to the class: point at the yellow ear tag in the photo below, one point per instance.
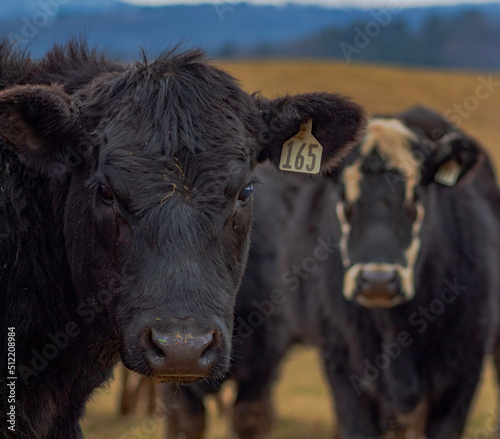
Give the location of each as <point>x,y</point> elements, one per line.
<point>448,173</point>
<point>302,153</point>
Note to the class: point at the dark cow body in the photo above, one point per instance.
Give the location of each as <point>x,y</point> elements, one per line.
<point>407,305</point>
<point>261,335</point>
<point>125,211</point>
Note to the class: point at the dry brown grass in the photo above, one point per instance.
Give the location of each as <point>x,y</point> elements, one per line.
<point>302,397</point>
<point>304,407</point>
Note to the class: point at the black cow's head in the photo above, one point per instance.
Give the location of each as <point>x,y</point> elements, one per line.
<point>383,191</point>
<point>154,165</point>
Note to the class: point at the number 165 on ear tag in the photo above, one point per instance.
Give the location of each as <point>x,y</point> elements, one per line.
<point>302,153</point>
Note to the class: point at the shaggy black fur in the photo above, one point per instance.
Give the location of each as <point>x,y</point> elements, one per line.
<point>124,211</point>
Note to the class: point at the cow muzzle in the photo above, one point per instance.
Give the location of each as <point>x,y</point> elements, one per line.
<point>182,356</point>
<point>178,353</point>
<point>378,285</point>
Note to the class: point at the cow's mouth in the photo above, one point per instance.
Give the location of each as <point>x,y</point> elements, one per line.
<point>380,298</point>
<point>181,379</point>
<point>379,286</point>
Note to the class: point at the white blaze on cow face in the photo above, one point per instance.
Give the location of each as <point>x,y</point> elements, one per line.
<point>393,143</point>
<point>345,229</point>
<point>392,140</point>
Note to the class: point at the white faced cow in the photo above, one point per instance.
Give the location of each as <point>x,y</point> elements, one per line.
<point>404,302</point>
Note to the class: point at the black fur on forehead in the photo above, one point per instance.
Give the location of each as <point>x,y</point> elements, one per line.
<point>171,130</point>
<point>203,104</point>
<point>175,103</point>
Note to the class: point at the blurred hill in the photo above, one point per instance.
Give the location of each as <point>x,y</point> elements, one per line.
<point>463,36</point>
<point>469,40</point>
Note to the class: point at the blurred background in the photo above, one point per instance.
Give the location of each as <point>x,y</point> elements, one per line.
<point>386,55</point>
<point>405,32</point>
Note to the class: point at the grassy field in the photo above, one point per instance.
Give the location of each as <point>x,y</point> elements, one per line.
<point>302,398</point>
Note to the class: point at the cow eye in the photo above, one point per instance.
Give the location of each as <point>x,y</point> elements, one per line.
<point>245,194</point>
<point>106,194</point>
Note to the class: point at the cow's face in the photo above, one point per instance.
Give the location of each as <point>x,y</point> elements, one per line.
<point>159,210</point>
<point>382,202</point>
<point>381,217</point>
<point>169,242</point>
<point>168,201</point>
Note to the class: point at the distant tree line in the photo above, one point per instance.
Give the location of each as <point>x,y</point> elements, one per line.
<point>469,40</point>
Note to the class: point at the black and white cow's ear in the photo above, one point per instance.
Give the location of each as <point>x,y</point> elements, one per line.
<point>455,155</point>
<point>39,123</point>
<point>334,122</point>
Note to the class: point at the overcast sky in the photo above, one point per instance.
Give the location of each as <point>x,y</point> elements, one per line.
<point>333,3</point>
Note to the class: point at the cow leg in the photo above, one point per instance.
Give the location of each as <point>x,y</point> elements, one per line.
<point>253,415</point>
<point>129,393</point>
<point>448,415</point>
<point>146,391</point>
<point>357,416</point>
<point>186,413</point>
<point>152,397</point>
<point>221,405</point>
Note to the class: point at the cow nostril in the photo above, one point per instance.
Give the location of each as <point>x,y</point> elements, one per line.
<point>210,353</point>
<point>156,345</point>
<point>153,344</point>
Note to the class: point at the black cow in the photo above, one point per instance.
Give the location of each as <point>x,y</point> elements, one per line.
<point>261,335</point>
<point>125,199</point>
<point>405,306</point>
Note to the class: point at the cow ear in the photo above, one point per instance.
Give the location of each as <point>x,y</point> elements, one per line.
<point>39,123</point>
<point>455,155</point>
<point>336,124</point>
